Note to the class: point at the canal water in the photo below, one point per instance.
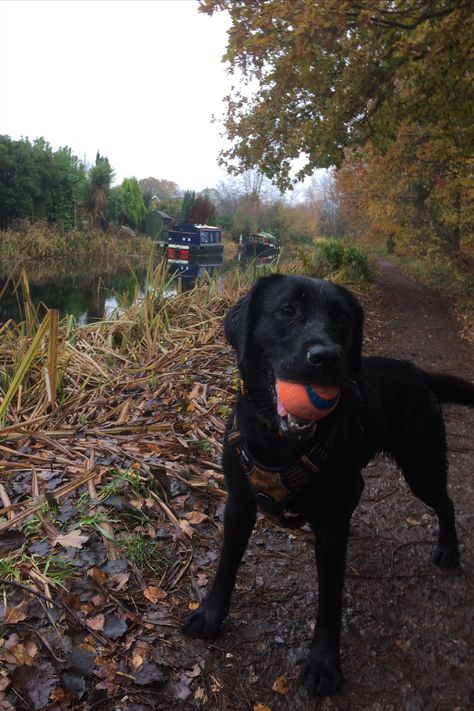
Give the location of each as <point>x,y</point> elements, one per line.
<point>90,291</point>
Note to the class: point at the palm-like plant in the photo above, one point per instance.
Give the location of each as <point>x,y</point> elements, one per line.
<point>97,189</point>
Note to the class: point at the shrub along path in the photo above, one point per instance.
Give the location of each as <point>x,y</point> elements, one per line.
<point>111,639</point>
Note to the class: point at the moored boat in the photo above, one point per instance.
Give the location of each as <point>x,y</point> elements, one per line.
<point>261,244</point>
<point>187,241</point>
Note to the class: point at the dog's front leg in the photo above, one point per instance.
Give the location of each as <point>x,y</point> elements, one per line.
<point>321,673</point>
<point>239,520</point>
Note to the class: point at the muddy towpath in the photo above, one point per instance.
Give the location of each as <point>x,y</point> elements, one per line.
<point>408,627</point>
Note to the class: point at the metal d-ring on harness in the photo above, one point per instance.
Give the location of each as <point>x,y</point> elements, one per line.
<point>275,487</point>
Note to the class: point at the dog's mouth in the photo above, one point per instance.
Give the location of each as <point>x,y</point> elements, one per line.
<point>289,425</point>
<point>293,426</point>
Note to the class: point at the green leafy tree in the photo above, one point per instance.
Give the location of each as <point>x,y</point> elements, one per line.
<point>66,193</point>
<point>134,207</point>
<point>38,183</point>
<point>334,74</point>
<point>115,207</point>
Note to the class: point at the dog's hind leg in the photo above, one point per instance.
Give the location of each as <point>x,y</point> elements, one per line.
<point>424,465</point>
<point>239,520</point>
<point>430,488</point>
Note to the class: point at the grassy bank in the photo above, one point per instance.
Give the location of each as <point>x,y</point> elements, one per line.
<point>41,241</point>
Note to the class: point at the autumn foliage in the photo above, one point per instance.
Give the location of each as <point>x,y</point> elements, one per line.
<point>380,90</point>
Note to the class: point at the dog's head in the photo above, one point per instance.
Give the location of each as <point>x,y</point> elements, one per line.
<point>295,329</point>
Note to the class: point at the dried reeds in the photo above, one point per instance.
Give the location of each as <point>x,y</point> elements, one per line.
<point>146,388</point>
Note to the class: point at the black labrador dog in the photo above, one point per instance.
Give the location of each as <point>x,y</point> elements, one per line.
<point>306,330</point>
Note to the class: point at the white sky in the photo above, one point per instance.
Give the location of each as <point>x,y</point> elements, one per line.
<point>137,80</point>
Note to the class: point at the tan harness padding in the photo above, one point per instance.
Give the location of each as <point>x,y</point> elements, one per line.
<point>275,487</point>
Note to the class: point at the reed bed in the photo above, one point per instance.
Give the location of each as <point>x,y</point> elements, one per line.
<point>139,398</point>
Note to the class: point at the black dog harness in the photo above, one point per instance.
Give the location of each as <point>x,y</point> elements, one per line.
<point>274,488</point>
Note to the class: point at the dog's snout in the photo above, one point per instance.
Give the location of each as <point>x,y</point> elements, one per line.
<point>324,356</point>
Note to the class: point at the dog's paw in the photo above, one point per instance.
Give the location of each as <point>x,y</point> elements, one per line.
<point>321,675</point>
<point>447,556</point>
<point>205,623</point>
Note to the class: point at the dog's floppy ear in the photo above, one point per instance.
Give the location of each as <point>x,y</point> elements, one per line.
<point>237,323</point>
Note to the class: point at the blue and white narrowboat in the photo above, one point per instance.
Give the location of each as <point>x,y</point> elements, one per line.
<point>187,241</point>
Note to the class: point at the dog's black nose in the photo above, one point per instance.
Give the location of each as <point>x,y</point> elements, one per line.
<point>324,356</point>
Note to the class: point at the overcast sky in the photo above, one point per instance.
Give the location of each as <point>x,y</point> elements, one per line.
<point>137,80</point>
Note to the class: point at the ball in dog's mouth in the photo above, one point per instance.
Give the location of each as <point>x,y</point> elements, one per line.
<point>302,404</point>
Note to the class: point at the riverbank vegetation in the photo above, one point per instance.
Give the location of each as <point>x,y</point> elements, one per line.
<point>40,241</point>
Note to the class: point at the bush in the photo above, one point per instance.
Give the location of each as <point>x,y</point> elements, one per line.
<point>341,261</point>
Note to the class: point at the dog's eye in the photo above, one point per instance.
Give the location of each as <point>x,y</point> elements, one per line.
<point>287,310</point>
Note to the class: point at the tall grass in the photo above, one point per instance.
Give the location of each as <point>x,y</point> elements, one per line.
<point>42,241</point>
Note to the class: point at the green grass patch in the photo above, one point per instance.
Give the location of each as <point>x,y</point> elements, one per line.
<point>143,553</point>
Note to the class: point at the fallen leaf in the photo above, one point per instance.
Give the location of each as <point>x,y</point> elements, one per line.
<point>97,622</point>
<point>137,661</point>
<point>194,672</point>
<point>34,684</point>
<point>19,654</point>
<point>153,593</point>
<point>185,527</point>
<point>114,627</point>
<point>16,614</point>
<point>106,670</point>
<point>261,707</point>
<point>195,517</point>
<point>195,392</point>
<point>73,539</point>
<point>119,580</point>
<point>97,575</point>
<point>412,521</point>
<point>149,674</point>
<point>281,685</point>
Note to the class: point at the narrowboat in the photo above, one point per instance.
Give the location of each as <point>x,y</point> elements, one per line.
<point>261,244</point>
<point>187,241</point>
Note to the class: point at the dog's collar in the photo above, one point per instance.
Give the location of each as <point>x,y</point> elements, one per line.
<point>275,487</point>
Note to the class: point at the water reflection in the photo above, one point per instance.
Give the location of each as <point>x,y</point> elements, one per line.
<point>192,269</point>
<point>92,291</point>
<point>86,291</point>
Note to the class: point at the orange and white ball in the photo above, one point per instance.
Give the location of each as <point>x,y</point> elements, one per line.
<point>306,401</point>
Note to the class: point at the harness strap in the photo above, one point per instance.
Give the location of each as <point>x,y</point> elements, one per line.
<point>274,488</point>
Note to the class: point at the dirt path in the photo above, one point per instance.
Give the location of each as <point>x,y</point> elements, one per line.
<point>408,627</point>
